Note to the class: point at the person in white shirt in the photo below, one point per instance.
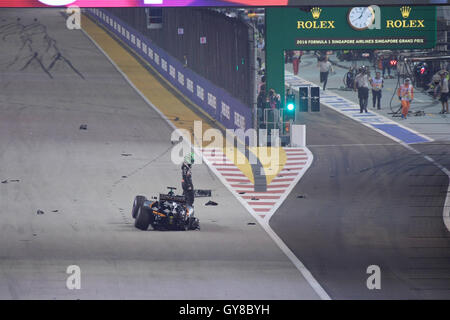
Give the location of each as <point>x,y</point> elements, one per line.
<point>435,85</point>
<point>444,91</point>
<point>362,85</point>
<point>377,84</point>
<point>324,68</point>
<point>259,52</point>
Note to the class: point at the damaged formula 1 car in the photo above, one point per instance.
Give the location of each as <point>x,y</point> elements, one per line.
<point>170,212</point>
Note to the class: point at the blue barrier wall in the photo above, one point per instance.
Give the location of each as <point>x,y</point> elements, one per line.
<point>218,103</point>
<point>224,58</point>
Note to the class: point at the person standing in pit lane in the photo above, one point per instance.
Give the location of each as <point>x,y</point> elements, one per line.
<point>386,65</point>
<point>362,86</point>
<point>444,91</point>
<point>296,59</point>
<point>325,68</point>
<point>406,95</point>
<point>377,84</point>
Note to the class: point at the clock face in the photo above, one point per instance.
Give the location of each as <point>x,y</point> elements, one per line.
<point>360,18</point>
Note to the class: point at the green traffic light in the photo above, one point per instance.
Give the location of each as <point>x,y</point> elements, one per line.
<point>290,102</point>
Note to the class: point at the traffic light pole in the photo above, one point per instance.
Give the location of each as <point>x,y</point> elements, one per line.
<point>289,109</point>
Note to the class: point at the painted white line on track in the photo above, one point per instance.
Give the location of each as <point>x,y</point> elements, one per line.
<point>265,225</point>
<point>332,99</point>
<point>335,97</point>
<point>446,209</point>
<point>244,199</point>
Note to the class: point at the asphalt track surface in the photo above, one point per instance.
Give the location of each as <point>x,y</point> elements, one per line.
<point>85,180</point>
<point>367,200</point>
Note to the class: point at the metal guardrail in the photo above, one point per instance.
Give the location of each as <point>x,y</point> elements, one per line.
<point>273,118</point>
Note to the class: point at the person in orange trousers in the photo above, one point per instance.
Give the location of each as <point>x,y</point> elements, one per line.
<point>406,95</point>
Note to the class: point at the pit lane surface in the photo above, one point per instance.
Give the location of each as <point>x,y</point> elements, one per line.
<point>84,182</point>
<point>367,200</point>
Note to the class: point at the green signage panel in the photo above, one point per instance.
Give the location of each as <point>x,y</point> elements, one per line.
<point>334,28</point>
<point>351,28</point>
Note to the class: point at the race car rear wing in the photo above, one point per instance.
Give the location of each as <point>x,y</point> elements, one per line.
<point>168,197</point>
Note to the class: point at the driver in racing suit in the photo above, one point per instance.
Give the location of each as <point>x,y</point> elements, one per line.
<point>186,181</point>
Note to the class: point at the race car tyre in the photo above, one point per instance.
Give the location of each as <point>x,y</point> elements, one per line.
<point>143,219</point>
<point>195,224</point>
<point>188,224</point>
<point>192,224</point>
<point>137,203</point>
